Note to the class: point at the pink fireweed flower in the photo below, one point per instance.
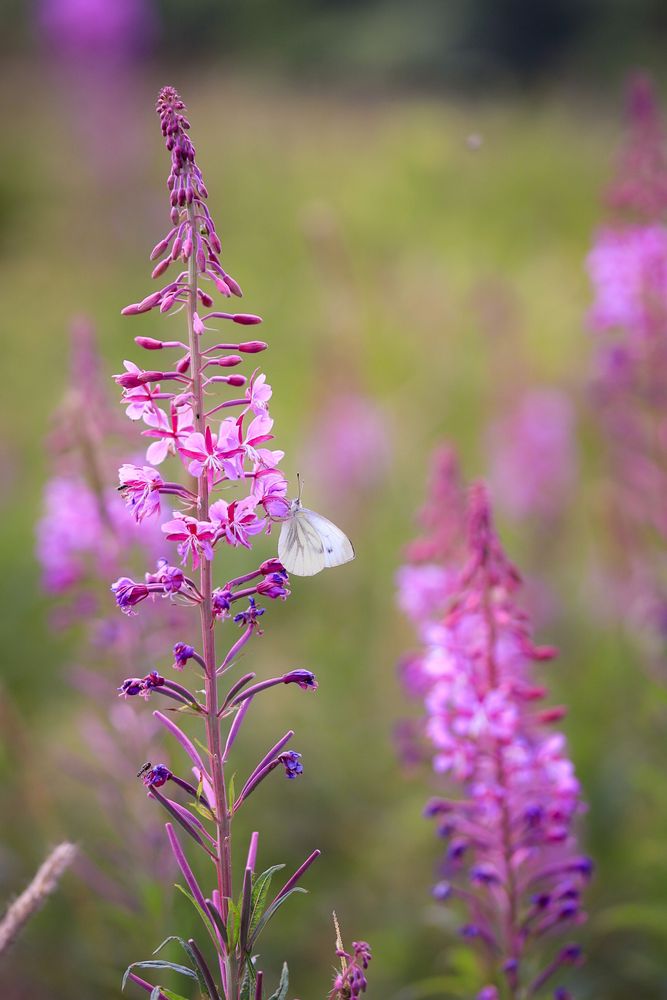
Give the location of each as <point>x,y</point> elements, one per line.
<point>236,521</point>
<point>172,431</point>
<point>212,455</point>
<point>511,851</point>
<point>258,394</point>
<point>141,489</point>
<point>270,490</point>
<point>170,578</point>
<point>194,537</point>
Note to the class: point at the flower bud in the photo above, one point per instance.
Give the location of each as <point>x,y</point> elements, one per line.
<point>161,267</point>
<point>233,286</point>
<point>149,343</point>
<point>228,361</point>
<point>271,566</point>
<point>160,247</point>
<point>253,346</point>
<point>222,286</point>
<point>246,319</point>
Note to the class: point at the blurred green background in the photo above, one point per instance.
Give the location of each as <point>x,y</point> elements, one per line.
<point>407,193</point>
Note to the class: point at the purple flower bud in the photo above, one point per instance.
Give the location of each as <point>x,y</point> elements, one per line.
<point>484,874</point>
<point>246,319</point>
<point>253,346</point>
<point>227,361</point>
<point>182,653</point>
<point>272,566</point>
<point>304,678</point>
<point>436,807</point>
<point>441,891</point>
<point>570,954</point>
<point>149,343</point>
<point>291,761</point>
<point>362,952</point>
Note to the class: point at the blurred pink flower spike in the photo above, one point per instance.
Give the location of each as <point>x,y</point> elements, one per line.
<point>512,857</point>
<point>532,455</point>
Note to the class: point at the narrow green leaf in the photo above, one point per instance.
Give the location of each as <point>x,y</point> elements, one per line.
<point>202,746</point>
<point>260,891</point>
<point>231,792</point>
<point>283,985</point>
<point>204,811</point>
<point>173,996</point>
<point>185,945</point>
<point>172,937</point>
<point>159,963</point>
<point>233,924</point>
<point>269,912</point>
<point>248,983</point>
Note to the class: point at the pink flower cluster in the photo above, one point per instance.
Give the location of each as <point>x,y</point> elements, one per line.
<point>533,461</point>
<point>511,854</point>
<point>628,270</point>
<point>234,452</point>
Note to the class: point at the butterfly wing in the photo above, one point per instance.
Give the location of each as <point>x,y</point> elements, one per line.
<point>336,545</point>
<point>300,548</point>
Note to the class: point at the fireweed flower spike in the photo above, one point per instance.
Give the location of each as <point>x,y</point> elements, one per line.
<point>627,266</point>
<point>175,405</point>
<point>511,795</point>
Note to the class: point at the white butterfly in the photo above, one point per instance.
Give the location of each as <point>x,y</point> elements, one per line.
<point>309,543</point>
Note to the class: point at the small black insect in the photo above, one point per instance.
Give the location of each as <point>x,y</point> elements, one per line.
<point>142,770</point>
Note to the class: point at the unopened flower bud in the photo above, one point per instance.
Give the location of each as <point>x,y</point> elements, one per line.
<point>160,247</point>
<point>246,319</point>
<point>161,267</point>
<point>253,346</point>
<point>149,343</point>
<point>271,566</point>
<point>234,286</point>
<point>227,361</point>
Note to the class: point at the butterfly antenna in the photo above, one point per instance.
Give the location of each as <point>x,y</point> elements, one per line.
<point>299,481</point>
